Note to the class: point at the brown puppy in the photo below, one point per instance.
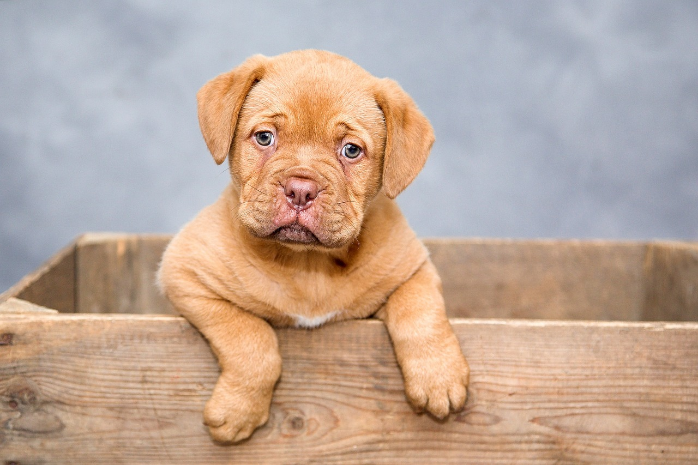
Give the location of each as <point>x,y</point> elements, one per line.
<point>308,233</point>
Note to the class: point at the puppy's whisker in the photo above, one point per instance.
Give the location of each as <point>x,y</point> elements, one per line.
<point>341,206</point>
<point>258,190</point>
<point>347,218</point>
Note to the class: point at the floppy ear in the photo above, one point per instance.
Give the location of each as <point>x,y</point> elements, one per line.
<point>219,102</point>
<point>409,137</point>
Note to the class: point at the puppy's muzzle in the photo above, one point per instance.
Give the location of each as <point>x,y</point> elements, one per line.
<point>300,192</point>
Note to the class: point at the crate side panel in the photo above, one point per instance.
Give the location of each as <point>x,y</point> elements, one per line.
<point>541,279</point>
<point>119,389</point>
<point>500,279</point>
<point>117,274</point>
<point>52,285</point>
<point>671,289</point>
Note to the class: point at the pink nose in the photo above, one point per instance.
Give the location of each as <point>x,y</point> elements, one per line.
<point>300,192</point>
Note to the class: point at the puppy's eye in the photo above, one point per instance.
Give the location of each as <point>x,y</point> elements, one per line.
<point>351,151</point>
<point>264,138</point>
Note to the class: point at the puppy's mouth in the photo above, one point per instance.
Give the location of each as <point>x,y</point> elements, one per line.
<point>295,233</point>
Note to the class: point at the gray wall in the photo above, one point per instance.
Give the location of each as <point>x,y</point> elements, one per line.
<point>553,119</point>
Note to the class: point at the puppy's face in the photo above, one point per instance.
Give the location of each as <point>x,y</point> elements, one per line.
<point>311,142</point>
<point>308,153</point>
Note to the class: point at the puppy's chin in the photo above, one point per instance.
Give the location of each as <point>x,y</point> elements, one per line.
<point>300,238</point>
<point>295,234</point>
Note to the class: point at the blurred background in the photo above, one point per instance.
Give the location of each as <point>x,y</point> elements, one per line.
<point>553,119</point>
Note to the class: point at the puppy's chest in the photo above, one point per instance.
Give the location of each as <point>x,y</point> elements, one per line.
<point>307,299</point>
<point>309,293</point>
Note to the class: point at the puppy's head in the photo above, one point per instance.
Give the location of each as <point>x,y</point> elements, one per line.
<point>311,138</point>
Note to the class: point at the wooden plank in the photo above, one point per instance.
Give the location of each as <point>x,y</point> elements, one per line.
<point>19,306</point>
<point>116,274</point>
<point>671,291</point>
<point>582,280</point>
<point>481,278</point>
<point>52,285</point>
<point>131,389</point>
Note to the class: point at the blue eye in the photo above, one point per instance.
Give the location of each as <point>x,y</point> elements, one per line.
<point>264,138</point>
<point>351,151</point>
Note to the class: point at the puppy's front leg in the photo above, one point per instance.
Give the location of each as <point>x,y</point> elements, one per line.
<point>248,354</point>
<point>433,366</point>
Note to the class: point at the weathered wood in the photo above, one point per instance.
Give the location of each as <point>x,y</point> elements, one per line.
<point>581,280</point>
<point>51,285</point>
<point>19,306</point>
<point>131,389</point>
<point>95,388</point>
<point>538,279</point>
<point>116,274</point>
<point>481,278</point>
<point>671,291</point>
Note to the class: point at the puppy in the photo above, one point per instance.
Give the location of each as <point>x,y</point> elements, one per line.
<point>308,233</point>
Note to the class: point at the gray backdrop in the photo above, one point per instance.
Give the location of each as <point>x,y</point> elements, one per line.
<point>553,119</point>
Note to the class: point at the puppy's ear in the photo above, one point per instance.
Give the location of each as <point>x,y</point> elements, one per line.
<point>219,102</point>
<point>408,140</point>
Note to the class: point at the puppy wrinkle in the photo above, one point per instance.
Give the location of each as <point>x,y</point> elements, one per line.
<point>307,171</point>
<point>355,227</point>
<point>331,180</point>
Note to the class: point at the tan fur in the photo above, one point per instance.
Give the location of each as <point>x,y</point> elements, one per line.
<point>252,260</point>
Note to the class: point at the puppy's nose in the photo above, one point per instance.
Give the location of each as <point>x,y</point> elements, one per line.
<point>300,192</point>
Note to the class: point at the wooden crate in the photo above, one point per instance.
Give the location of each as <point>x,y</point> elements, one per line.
<point>580,352</point>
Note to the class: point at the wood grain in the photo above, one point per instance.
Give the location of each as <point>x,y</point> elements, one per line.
<point>131,389</point>
<point>116,274</point>
<point>578,280</point>
<point>19,306</point>
<point>481,278</point>
<point>109,388</point>
<point>671,291</point>
<point>51,285</point>
<point>539,279</point>
<point>546,279</point>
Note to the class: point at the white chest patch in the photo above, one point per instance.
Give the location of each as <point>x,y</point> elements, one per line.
<point>313,322</point>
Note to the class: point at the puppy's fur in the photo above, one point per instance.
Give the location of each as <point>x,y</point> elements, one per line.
<point>307,231</point>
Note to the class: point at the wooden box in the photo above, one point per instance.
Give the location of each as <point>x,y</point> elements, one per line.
<point>580,352</point>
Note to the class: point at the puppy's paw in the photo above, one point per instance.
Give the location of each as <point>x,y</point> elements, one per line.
<point>234,412</point>
<point>437,384</point>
